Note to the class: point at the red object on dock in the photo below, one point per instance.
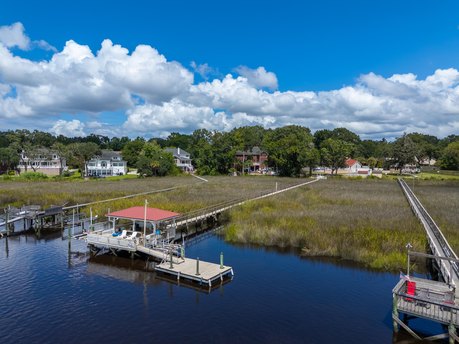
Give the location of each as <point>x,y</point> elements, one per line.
<point>410,289</point>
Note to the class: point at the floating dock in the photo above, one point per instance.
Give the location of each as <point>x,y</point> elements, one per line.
<point>157,242</point>
<point>195,270</point>
<point>170,255</point>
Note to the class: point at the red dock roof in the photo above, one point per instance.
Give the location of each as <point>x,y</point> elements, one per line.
<point>138,213</point>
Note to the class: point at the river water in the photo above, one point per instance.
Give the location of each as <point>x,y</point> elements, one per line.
<point>51,296</point>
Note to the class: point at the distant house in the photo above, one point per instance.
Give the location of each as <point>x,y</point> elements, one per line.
<point>182,159</point>
<point>256,156</point>
<point>109,163</point>
<point>354,167</point>
<point>42,160</point>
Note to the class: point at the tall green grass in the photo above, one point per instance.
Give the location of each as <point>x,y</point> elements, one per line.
<point>367,221</point>
<point>441,200</point>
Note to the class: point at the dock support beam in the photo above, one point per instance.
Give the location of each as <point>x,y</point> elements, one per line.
<point>452,333</point>
<point>6,221</point>
<point>395,313</point>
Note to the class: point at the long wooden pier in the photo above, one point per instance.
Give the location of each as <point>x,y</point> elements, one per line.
<point>215,210</point>
<point>432,300</point>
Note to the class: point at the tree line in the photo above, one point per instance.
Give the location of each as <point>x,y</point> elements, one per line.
<point>290,149</point>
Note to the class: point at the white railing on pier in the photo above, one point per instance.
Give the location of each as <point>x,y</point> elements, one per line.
<point>437,241</point>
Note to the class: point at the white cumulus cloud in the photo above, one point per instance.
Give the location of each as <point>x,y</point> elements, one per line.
<point>258,78</point>
<point>159,96</point>
<point>73,128</point>
<point>13,36</point>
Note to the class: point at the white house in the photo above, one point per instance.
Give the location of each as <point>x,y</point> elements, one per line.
<point>353,166</point>
<point>109,163</point>
<point>42,160</point>
<point>182,159</point>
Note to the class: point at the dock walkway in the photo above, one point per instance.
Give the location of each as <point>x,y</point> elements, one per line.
<point>422,298</point>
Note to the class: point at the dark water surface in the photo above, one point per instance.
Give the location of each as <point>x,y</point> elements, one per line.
<point>49,297</point>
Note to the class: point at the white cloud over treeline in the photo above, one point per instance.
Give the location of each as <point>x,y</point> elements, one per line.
<point>160,96</point>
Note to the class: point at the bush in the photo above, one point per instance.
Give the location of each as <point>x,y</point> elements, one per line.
<point>33,176</point>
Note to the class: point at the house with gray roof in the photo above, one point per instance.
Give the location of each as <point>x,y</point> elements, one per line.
<point>109,163</point>
<point>182,159</point>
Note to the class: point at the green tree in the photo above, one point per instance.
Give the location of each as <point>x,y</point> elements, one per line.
<point>202,152</point>
<point>154,161</point>
<point>404,152</point>
<point>310,157</point>
<point>450,157</point>
<point>9,159</point>
<point>63,152</point>
<point>131,151</point>
<point>117,144</point>
<point>178,140</point>
<point>287,148</point>
<point>81,153</point>
<point>334,153</point>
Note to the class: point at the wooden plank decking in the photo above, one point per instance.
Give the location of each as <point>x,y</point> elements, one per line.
<point>208,272</point>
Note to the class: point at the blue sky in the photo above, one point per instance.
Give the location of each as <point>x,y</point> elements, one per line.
<point>343,54</point>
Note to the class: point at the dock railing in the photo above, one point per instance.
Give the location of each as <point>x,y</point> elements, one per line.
<point>438,243</point>
<point>426,302</point>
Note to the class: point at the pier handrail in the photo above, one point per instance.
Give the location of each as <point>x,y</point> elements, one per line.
<point>422,213</point>
<point>401,285</point>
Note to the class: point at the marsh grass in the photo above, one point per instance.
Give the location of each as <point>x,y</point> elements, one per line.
<point>191,193</point>
<point>441,200</point>
<point>368,221</point>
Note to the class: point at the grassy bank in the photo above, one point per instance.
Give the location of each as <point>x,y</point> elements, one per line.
<point>441,199</point>
<point>367,221</point>
<point>191,193</point>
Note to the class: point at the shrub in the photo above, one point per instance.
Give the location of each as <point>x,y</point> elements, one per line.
<point>33,176</point>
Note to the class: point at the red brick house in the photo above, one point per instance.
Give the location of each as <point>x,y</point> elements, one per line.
<point>257,158</point>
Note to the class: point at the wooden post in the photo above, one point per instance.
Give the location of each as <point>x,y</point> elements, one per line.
<point>62,221</point>
<point>145,224</point>
<point>395,312</point>
<point>221,260</point>
<point>197,267</point>
<point>171,264</point>
<point>452,333</point>
<point>182,253</point>
<point>7,227</point>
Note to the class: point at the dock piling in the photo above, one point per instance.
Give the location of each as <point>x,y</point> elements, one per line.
<point>172,264</point>
<point>6,221</point>
<point>221,260</point>
<point>197,266</point>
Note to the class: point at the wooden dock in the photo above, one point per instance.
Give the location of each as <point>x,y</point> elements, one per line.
<point>432,300</point>
<point>190,269</point>
<point>169,255</point>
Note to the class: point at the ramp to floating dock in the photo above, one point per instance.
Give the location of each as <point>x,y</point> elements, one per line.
<point>187,269</point>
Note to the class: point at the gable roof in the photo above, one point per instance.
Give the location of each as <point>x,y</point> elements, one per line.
<point>107,154</point>
<point>177,152</point>
<point>138,213</point>
<point>351,162</point>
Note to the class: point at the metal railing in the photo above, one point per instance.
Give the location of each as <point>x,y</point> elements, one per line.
<point>427,303</point>
<point>427,220</point>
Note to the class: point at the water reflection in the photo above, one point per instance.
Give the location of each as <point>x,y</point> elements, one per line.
<point>55,289</point>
